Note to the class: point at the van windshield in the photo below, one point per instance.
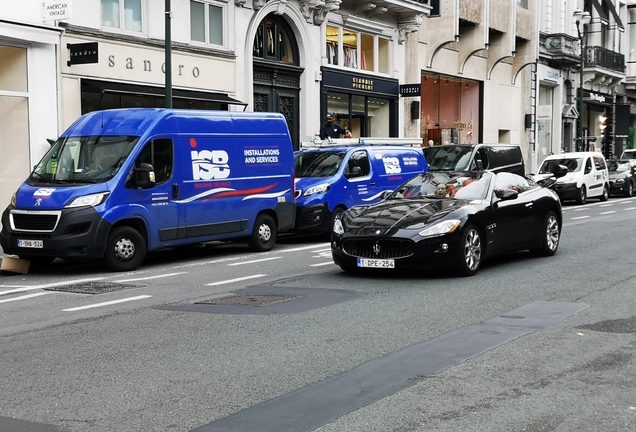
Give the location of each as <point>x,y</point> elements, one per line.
<point>448,158</point>
<point>82,160</point>
<point>572,164</point>
<point>317,164</point>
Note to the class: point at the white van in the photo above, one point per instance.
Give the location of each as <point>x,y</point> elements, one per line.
<point>587,176</point>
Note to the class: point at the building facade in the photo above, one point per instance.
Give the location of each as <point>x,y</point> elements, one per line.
<point>584,84</point>
<point>474,61</point>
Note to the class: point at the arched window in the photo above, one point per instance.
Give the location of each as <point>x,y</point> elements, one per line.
<point>275,41</point>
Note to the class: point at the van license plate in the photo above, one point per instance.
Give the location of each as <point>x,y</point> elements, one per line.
<point>37,244</point>
<point>376,263</point>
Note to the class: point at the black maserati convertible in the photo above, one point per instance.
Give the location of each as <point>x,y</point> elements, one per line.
<point>452,219</point>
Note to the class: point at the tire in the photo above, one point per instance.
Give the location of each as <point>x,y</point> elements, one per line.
<point>551,236</point>
<point>582,197</point>
<point>125,249</point>
<point>630,189</point>
<point>336,212</point>
<point>263,235</point>
<point>470,251</point>
<point>605,195</point>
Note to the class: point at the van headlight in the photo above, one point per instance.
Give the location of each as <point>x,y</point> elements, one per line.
<point>88,200</point>
<point>441,228</point>
<point>318,189</point>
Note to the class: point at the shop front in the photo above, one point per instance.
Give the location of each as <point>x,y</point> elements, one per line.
<point>126,75</point>
<point>28,99</point>
<point>365,104</point>
<point>597,121</point>
<point>451,110</point>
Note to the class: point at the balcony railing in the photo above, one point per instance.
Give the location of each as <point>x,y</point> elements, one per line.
<point>602,57</point>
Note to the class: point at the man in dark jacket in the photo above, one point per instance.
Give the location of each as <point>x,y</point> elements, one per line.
<point>331,129</point>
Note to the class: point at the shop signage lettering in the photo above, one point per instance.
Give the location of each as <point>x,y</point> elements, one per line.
<point>147,65</point>
<point>461,126</point>
<point>84,53</point>
<point>362,84</point>
<point>56,10</point>
<point>597,97</point>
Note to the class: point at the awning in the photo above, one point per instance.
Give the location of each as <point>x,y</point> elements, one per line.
<point>145,90</point>
<point>601,12</point>
<point>617,19</point>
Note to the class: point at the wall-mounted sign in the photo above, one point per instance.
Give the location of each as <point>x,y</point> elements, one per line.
<point>56,10</point>
<point>83,53</point>
<point>410,90</point>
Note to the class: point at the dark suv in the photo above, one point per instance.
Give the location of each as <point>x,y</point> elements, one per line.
<point>622,177</point>
<point>475,157</point>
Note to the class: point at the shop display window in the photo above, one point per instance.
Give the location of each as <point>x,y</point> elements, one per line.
<point>207,22</point>
<point>273,42</point>
<point>357,50</point>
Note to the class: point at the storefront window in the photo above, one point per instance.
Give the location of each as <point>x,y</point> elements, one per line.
<point>357,50</point>
<point>383,55</point>
<point>332,45</point>
<point>450,110</point>
<point>13,69</point>
<point>272,42</point>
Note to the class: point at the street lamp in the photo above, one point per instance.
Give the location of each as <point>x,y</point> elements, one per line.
<point>582,19</point>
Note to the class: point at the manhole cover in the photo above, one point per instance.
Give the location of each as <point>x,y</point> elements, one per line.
<point>249,300</point>
<point>93,287</point>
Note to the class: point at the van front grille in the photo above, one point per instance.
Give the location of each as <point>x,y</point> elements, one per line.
<point>34,221</point>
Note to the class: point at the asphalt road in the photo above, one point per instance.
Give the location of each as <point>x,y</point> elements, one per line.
<point>528,344</point>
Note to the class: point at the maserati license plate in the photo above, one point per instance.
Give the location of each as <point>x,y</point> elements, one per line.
<point>376,263</point>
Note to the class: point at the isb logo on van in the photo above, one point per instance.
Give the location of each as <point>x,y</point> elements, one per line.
<point>120,183</point>
<point>334,175</point>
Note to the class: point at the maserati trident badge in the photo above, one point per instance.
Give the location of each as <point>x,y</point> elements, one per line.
<point>376,249</point>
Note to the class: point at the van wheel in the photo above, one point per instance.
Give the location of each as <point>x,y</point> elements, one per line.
<point>470,251</point>
<point>582,198</point>
<point>605,194</point>
<point>550,237</point>
<point>264,234</point>
<point>125,249</point>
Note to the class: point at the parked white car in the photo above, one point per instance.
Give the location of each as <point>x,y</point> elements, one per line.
<point>587,176</point>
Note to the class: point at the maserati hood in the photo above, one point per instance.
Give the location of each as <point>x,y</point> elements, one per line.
<point>400,214</point>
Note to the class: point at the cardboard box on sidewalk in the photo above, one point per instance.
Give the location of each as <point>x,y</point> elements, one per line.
<point>14,265</point>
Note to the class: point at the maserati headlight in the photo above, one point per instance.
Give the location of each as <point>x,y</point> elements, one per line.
<point>441,228</point>
<point>321,188</point>
<point>13,199</point>
<point>88,200</point>
<point>337,227</point>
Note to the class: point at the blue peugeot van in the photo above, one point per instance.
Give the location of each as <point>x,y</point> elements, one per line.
<point>119,183</point>
<point>334,175</point>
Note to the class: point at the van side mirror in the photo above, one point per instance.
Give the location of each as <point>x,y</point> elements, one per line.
<point>479,164</point>
<point>142,177</point>
<point>355,172</point>
<point>559,171</point>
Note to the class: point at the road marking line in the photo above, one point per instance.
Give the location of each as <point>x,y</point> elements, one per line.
<point>322,264</point>
<point>106,303</point>
<point>608,212</point>
<point>51,285</point>
<point>298,249</point>
<point>580,217</point>
<point>581,209</point>
<point>236,280</point>
<point>28,296</point>
<point>150,277</point>
<point>254,261</point>
<point>630,208</point>
<point>322,250</point>
<point>606,205</point>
